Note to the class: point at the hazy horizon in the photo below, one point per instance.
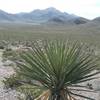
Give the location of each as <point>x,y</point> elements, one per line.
<point>87,8</point>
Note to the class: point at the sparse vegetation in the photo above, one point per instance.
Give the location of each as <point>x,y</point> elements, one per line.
<point>28,32</point>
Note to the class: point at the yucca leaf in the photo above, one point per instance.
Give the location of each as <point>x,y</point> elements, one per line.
<point>58,65</point>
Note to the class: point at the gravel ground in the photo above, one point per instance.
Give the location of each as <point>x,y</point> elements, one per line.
<point>5,71</point>
<point>96,87</point>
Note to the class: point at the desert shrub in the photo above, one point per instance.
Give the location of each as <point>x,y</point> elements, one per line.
<point>54,70</point>
<point>58,67</point>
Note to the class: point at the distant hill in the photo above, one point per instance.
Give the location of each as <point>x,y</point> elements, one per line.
<point>47,16</point>
<point>72,21</point>
<point>97,19</point>
<point>81,20</point>
<point>55,20</point>
<point>4,16</point>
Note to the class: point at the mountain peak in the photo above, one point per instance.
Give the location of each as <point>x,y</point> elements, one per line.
<point>39,16</point>
<point>51,9</point>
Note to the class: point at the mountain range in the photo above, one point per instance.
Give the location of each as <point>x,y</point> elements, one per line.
<point>46,16</point>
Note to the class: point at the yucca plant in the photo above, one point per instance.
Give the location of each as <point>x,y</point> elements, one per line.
<point>59,68</point>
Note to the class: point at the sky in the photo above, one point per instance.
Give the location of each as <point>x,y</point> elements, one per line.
<point>85,8</point>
